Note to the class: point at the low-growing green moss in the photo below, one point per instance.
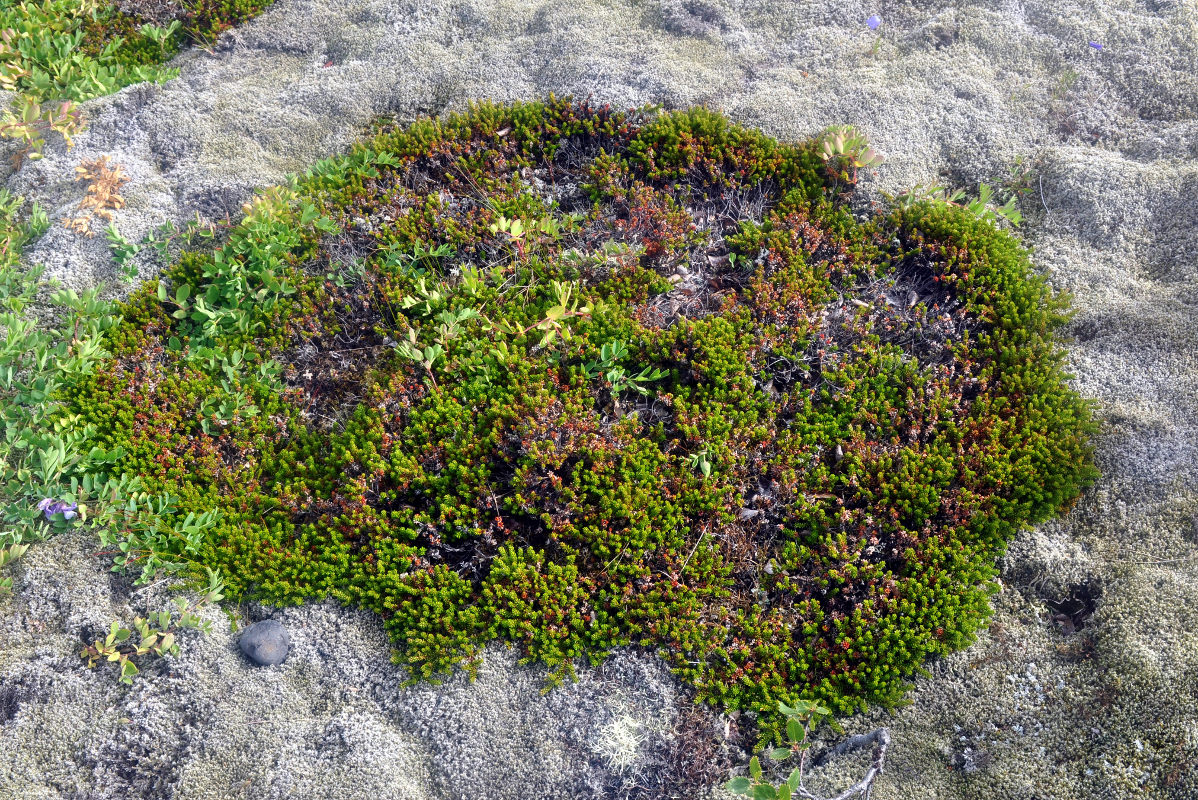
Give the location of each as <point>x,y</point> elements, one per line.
<point>58,52</point>
<point>579,379</point>
<point>80,49</point>
<point>199,23</point>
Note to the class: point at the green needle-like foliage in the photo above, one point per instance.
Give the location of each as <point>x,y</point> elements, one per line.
<point>579,379</point>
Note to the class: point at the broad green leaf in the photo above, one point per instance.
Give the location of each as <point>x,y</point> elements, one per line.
<point>739,785</point>
<point>763,791</point>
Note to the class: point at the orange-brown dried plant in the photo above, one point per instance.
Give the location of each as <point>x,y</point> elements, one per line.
<point>103,193</point>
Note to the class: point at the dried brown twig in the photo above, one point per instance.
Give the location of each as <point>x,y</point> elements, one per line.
<point>103,195</point>
<point>880,739</point>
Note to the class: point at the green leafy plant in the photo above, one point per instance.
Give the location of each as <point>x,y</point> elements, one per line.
<point>151,537</point>
<point>982,207</point>
<point>512,227</point>
<point>425,357</point>
<point>432,299</point>
<point>700,462</point>
<point>227,409</point>
<point>43,452</point>
<point>567,306</point>
<point>419,258</point>
<point>451,323</point>
<point>800,718</point>
<point>1019,178</point>
<point>7,556</point>
<point>811,506</point>
<point>75,50</point>
<point>845,150</point>
<point>242,284</point>
<point>47,451</point>
<point>156,634</point>
<point>1065,82</point>
<point>347,274</point>
<point>41,58</point>
<point>161,36</point>
<point>621,380</point>
<point>123,252</point>
<point>29,121</point>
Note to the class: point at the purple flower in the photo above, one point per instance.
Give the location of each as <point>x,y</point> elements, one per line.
<point>1096,45</point>
<point>50,507</point>
<point>873,22</point>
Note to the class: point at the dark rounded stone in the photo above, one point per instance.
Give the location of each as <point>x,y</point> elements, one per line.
<point>265,643</point>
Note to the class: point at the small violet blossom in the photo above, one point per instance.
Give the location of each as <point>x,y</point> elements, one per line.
<point>873,22</point>
<point>50,507</point>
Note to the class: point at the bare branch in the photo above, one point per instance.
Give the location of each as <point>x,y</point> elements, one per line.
<point>879,738</point>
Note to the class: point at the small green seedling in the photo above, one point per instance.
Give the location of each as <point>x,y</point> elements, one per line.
<point>800,719</point>
<point>123,252</point>
<point>160,36</point>
<point>846,150</point>
<point>155,633</point>
<point>7,556</point>
<point>700,462</point>
<point>982,206</point>
<point>425,357</point>
<point>621,380</point>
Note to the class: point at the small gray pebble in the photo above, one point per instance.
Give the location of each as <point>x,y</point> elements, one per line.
<point>265,643</point>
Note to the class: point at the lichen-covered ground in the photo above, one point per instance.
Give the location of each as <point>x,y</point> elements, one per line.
<point>1038,707</point>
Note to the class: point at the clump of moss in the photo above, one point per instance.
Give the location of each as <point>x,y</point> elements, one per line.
<point>80,49</point>
<point>200,22</point>
<point>75,50</point>
<point>578,379</point>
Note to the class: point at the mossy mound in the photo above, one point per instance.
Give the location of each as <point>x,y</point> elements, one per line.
<point>118,26</point>
<point>580,379</point>
<point>81,49</point>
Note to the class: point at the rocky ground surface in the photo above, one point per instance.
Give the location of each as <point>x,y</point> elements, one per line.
<point>1085,684</point>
